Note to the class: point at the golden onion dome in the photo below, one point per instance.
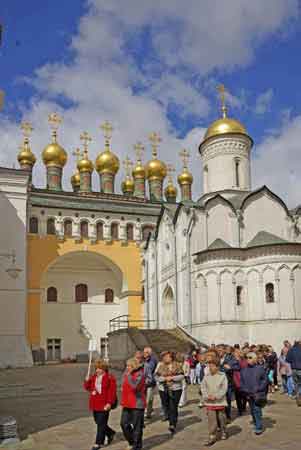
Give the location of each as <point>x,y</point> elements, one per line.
<point>85,165</point>
<point>107,162</point>
<point>225,125</point>
<point>139,171</point>
<point>75,179</point>
<point>128,186</point>
<point>54,155</point>
<point>156,169</point>
<point>170,191</point>
<point>26,157</point>
<point>185,177</point>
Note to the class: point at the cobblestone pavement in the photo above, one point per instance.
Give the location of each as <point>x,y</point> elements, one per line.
<point>51,406</point>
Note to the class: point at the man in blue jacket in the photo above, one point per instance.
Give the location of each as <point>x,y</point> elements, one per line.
<point>253,384</point>
<point>294,358</point>
<point>150,364</point>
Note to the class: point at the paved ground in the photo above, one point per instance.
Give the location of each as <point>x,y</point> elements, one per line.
<point>50,406</point>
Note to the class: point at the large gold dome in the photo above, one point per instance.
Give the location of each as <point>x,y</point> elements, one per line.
<point>225,125</point>
<point>54,155</point>
<point>185,177</point>
<point>107,162</point>
<point>156,169</point>
<point>26,157</point>
<point>139,171</point>
<point>85,165</point>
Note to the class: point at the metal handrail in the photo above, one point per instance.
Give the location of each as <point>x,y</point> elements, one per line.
<point>124,322</point>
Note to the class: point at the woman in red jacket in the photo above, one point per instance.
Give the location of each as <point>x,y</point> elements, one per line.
<point>133,402</point>
<point>102,388</point>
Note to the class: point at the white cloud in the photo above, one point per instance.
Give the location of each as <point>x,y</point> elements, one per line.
<point>107,80</point>
<point>277,162</point>
<point>263,102</point>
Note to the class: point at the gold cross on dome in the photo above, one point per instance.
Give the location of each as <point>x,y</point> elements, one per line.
<point>86,139</point>
<point>26,127</point>
<point>222,92</point>
<point>127,164</point>
<point>55,120</point>
<point>155,140</point>
<point>78,154</point>
<point>139,149</point>
<point>107,130</point>
<point>184,154</point>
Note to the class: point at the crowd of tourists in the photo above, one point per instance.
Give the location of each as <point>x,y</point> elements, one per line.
<point>246,374</point>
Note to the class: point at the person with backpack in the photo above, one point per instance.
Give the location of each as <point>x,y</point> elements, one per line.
<point>103,397</point>
<point>133,402</point>
<point>253,384</point>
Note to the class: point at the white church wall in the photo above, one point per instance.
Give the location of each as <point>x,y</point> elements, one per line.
<point>14,349</point>
<point>264,213</point>
<point>271,310</point>
<point>227,296</point>
<point>213,297</point>
<point>221,222</point>
<point>286,293</point>
<point>297,290</point>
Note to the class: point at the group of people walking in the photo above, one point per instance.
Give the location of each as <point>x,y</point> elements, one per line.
<point>247,373</point>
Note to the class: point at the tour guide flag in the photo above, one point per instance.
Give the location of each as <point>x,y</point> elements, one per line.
<point>92,348</point>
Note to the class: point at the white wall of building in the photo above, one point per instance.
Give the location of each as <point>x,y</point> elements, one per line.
<point>14,349</point>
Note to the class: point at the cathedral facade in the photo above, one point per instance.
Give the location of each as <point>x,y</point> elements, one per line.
<point>76,253</point>
<point>226,267</point>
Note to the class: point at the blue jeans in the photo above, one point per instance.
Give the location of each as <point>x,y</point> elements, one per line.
<point>256,413</point>
<point>288,384</point>
<point>297,381</point>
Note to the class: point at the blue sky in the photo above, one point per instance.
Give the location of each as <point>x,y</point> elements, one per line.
<point>149,67</point>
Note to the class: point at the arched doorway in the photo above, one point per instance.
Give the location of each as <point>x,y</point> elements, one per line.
<point>82,311</point>
<point>169,308</point>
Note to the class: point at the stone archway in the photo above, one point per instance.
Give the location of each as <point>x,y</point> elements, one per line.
<point>168,308</point>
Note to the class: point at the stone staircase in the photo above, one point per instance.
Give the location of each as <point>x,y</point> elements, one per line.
<point>125,342</point>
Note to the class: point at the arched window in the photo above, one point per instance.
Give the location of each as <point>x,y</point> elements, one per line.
<point>237,172</point>
<point>239,292</point>
<point>146,230</point>
<point>269,293</point>
<point>84,229</point>
<point>68,228</point>
<point>33,225</point>
<point>130,232</point>
<point>114,231</point>
<point>51,295</point>
<point>206,179</point>
<point>81,293</point>
<point>109,296</point>
<point>99,231</point>
<point>51,226</point>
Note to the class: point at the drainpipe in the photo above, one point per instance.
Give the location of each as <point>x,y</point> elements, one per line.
<point>146,293</point>
<point>176,275</point>
<point>189,230</point>
<point>157,287</point>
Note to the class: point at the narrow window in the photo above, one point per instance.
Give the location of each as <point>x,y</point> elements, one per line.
<point>109,296</point>
<point>84,229</point>
<point>114,231</point>
<point>68,228</point>
<point>130,232</point>
<point>142,295</point>
<point>52,295</point>
<point>51,226</point>
<point>99,231</point>
<point>81,293</point>
<point>269,293</point>
<point>33,225</point>
<point>237,172</point>
<point>239,292</point>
